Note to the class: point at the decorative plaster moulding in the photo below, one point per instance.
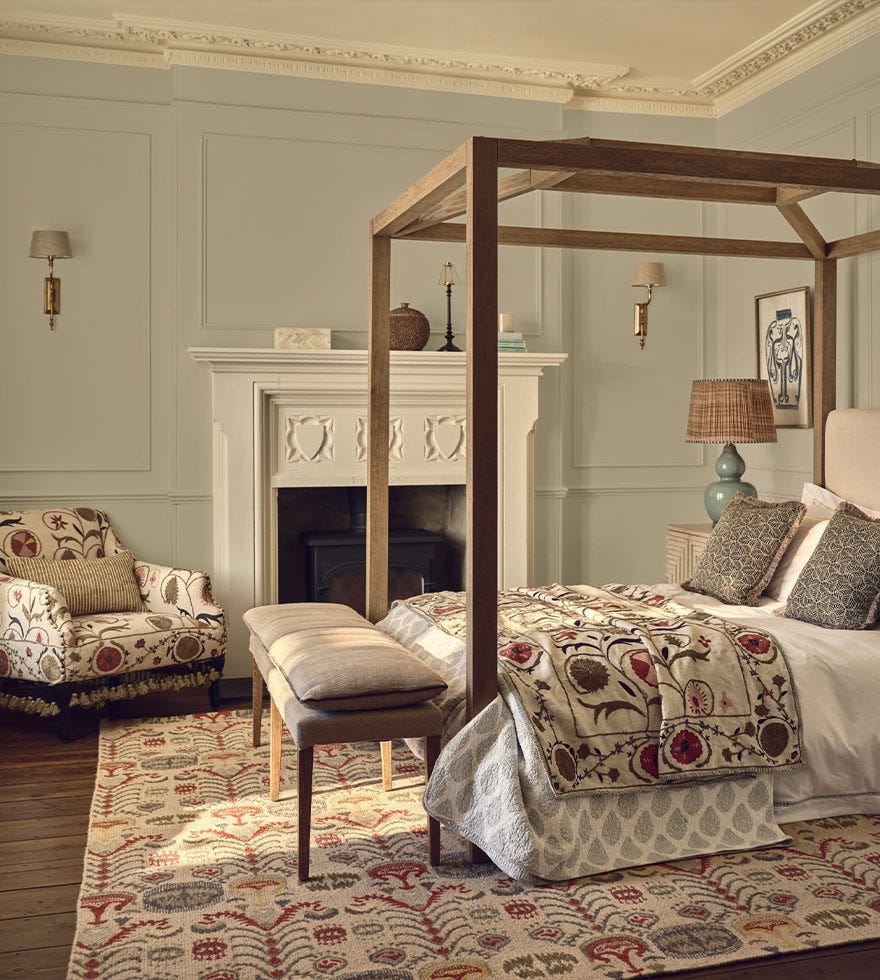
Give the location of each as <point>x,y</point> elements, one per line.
<point>822,30</point>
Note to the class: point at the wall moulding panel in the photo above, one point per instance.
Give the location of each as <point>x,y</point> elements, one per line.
<point>641,390</point>
<point>99,170</point>
<point>287,285</point>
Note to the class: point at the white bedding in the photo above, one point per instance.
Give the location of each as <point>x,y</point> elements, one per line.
<point>837,679</point>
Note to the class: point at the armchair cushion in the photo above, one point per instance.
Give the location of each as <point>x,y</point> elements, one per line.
<point>118,643</point>
<point>90,585</point>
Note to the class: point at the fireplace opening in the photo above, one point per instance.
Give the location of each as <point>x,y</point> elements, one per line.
<point>322,542</point>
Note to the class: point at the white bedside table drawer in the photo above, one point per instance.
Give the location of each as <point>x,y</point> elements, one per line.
<point>684,545</point>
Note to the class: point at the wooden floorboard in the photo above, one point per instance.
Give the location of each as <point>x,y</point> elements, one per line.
<point>49,806</point>
<point>45,793</point>
<point>35,964</point>
<point>41,874</point>
<point>77,786</point>
<point>45,900</point>
<point>38,931</point>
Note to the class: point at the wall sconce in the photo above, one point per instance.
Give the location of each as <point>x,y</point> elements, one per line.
<point>648,274</point>
<point>51,245</point>
<point>448,278</point>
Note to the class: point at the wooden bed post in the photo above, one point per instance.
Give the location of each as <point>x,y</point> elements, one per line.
<point>824,358</point>
<point>481,562</point>
<point>377,429</point>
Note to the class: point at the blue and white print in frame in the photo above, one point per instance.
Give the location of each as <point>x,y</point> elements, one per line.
<point>785,354</point>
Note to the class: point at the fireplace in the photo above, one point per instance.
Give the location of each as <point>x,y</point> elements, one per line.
<point>336,566</point>
<point>289,437</point>
<point>322,543</point>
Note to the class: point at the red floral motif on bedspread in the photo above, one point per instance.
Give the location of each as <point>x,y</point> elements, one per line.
<point>625,689</point>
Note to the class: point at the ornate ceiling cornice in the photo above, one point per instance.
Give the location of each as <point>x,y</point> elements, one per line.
<point>825,28</point>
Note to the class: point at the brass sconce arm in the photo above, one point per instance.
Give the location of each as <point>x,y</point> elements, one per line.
<point>648,274</point>
<point>51,245</point>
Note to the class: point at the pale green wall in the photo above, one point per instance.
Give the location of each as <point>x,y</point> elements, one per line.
<point>206,207</point>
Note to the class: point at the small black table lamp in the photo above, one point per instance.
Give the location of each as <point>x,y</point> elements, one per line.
<point>449,278</point>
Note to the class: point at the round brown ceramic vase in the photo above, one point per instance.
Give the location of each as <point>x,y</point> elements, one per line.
<point>410,329</point>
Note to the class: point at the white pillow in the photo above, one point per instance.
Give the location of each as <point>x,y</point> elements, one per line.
<point>798,553</point>
<point>819,498</point>
<point>821,504</point>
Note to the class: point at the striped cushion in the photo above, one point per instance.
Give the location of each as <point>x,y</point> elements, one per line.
<point>90,585</point>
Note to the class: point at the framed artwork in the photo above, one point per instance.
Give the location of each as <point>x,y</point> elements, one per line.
<point>785,354</point>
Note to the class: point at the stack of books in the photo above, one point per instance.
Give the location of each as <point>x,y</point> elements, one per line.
<point>511,340</point>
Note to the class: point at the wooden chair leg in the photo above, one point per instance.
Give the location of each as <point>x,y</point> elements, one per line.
<point>432,750</point>
<point>387,766</point>
<point>215,697</point>
<point>276,731</point>
<point>62,699</point>
<point>304,769</point>
<point>257,704</point>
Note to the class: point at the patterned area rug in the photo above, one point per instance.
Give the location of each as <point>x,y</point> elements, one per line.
<point>190,872</point>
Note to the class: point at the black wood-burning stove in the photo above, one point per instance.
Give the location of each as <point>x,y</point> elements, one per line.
<point>336,561</point>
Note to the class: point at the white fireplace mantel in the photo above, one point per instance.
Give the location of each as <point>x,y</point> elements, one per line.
<point>292,418</point>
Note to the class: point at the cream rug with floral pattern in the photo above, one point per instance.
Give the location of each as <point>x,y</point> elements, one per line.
<point>190,872</point>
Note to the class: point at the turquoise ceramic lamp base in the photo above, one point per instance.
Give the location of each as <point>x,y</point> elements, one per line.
<point>730,467</point>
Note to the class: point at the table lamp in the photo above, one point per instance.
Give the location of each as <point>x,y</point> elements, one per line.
<point>726,411</point>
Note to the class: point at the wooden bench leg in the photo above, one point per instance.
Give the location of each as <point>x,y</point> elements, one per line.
<point>276,731</point>
<point>304,769</point>
<point>387,766</point>
<point>257,699</point>
<point>432,750</point>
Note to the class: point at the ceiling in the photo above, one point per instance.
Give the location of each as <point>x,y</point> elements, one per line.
<point>695,57</point>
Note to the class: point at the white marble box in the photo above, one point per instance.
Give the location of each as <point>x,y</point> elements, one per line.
<point>302,338</point>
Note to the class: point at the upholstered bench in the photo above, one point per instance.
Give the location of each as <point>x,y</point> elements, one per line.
<point>332,678</point>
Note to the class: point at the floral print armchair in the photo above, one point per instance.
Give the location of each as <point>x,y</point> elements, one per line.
<point>50,660</point>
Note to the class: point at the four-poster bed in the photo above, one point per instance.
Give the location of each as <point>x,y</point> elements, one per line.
<point>512,780</point>
<point>467,183</point>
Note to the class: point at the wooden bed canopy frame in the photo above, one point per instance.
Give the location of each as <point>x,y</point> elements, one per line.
<point>467,183</point>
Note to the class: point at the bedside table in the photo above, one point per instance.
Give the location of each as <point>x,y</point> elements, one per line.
<point>684,545</point>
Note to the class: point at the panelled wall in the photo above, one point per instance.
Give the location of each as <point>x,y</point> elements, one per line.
<point>629,470</point>
<point>834,110</point>
<point>206,207</point>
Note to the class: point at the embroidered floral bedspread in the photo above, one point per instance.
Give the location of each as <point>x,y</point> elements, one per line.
<point>625,689</point>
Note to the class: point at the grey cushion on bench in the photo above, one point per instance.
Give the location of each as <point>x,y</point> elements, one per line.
<point>335,660</point>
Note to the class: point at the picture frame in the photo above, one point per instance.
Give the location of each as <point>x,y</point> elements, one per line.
<point>784,346</point>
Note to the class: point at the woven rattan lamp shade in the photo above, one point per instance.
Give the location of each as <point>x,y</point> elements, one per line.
<point>731,410</point>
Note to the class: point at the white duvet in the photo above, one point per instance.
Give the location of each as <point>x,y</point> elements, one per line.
<point>837,678</point>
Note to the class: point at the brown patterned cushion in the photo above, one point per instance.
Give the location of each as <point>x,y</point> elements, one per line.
<point>840,584</point>
<point>744,549</point>
<point>90,585</point>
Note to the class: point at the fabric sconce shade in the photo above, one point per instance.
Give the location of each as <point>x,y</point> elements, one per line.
<point>728,411</point>
<point>648,274</point>
<point>51,245</point>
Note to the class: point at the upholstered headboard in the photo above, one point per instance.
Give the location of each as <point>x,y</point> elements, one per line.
<point>852,455</point>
